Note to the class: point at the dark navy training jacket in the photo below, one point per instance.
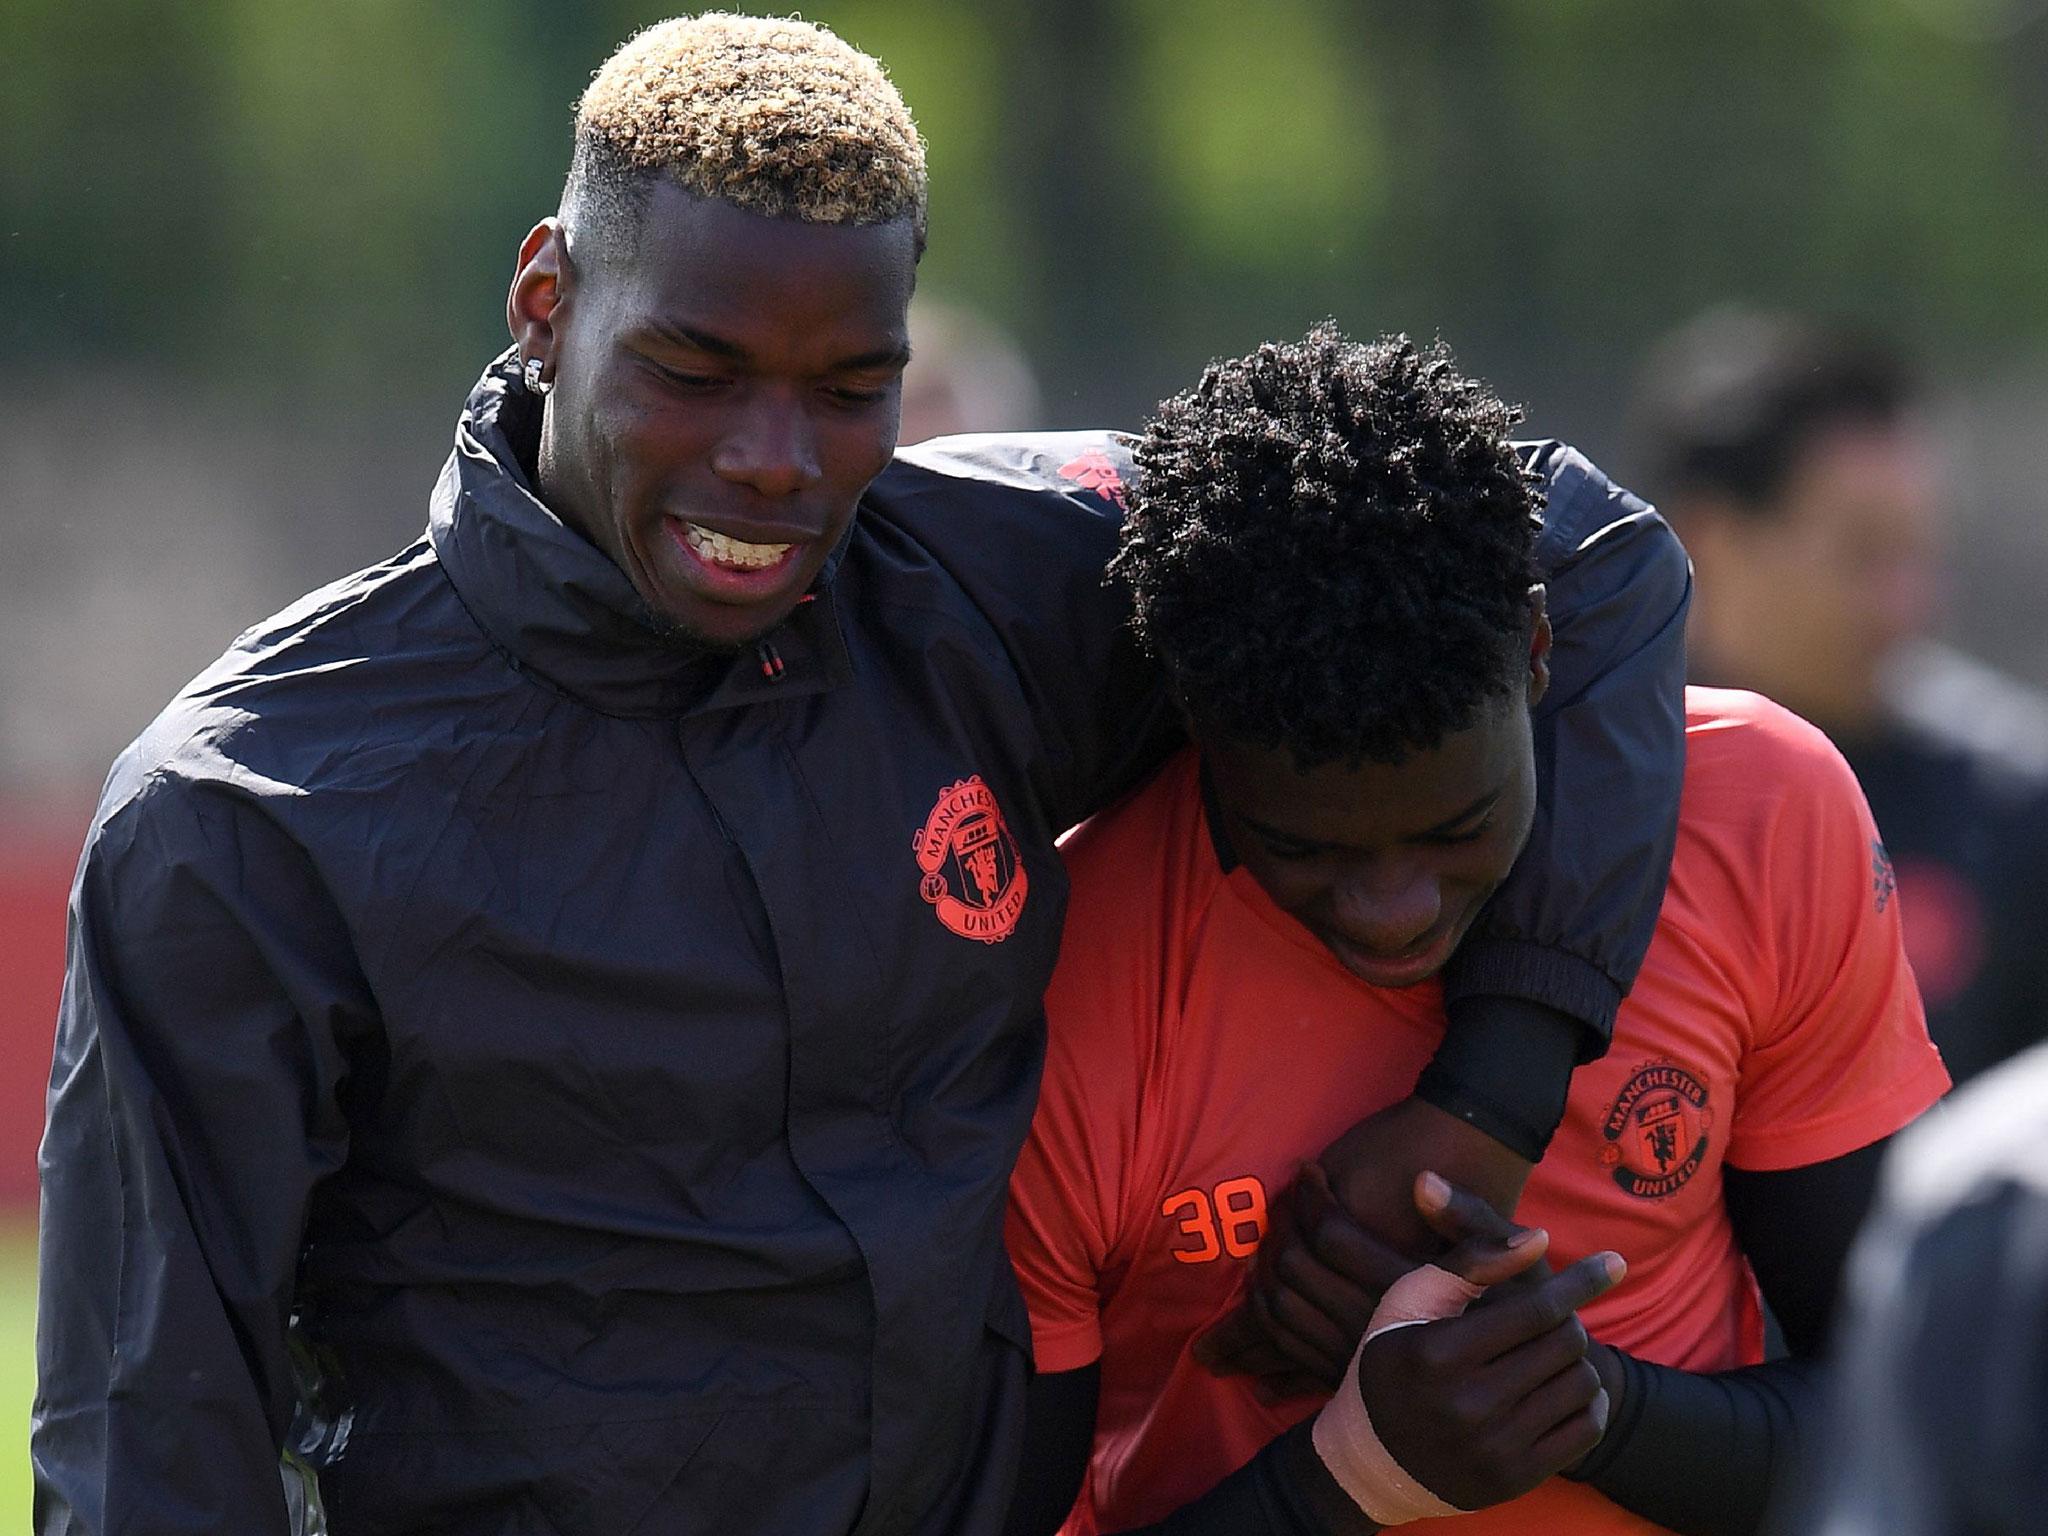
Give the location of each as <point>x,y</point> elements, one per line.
<point>547,1082</point>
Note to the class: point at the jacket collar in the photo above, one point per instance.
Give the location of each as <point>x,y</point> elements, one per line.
<point>559,608</point>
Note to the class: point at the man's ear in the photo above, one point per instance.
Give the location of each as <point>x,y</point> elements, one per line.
<point>539,288</point>
<point>1539,645</point>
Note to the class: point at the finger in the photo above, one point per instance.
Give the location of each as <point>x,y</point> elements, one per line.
<point>1569,1392</point>
<point>1486,1261</point>
<point>1337,1239</point>
<point>1488,1333</point>
<point>1455,1213</point>
<point>1236,1347</point>
<point>1564,1445</point>
<point>1298,1271</point>
<point>1310,1341</point>
<point>1303,1330</point>
<point>1522,1369</point>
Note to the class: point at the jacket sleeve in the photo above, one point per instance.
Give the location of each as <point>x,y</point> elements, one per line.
<point>1031,523</point>
<point>192,1108</point>
<point>1569,928</point>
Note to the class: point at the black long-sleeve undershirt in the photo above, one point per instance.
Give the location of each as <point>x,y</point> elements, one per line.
<point>1705,1453</point>
<point>1699,1453</point>
<point>1282,1491</point>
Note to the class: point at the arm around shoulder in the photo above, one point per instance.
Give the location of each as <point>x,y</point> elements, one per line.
<point>1534,988</point>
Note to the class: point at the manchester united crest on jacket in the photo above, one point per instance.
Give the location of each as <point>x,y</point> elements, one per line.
<point>973,874</point>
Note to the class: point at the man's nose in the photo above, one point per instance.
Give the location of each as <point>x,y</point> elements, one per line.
<point>1386,910</point>
<point>770,446</point>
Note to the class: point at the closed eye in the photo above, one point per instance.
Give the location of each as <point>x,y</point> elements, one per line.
<point>841,394</point>
<point>682,379</point>
<point>1289,852</point>
<point>1471,834</point>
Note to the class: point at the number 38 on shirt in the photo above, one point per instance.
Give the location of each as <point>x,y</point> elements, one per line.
<point>1229,1219</point>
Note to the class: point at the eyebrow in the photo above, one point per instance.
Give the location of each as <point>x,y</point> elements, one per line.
<point>1449,824</point>
<point>681,334</point>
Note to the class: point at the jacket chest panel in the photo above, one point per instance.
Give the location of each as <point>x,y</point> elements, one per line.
<point>895,838</point>
<point>582,978</point>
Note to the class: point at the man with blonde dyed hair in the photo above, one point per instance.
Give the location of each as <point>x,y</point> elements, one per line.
<point>551,1016</point>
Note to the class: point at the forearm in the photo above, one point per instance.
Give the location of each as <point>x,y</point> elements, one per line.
<point>1703,1454</point>
<point>1285,1490</point>
<point>1569,928</point>
<point>1505,1068</point>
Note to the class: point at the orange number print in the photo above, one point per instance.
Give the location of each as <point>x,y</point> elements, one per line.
<point>1199,1223</point>
<point>1242,1205</point>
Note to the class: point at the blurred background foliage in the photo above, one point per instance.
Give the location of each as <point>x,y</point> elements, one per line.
<point>322,200</point>
<point>256,250</point>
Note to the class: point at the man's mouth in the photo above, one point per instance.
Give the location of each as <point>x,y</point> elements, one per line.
<point>734,554</point>
<point>1404,968</point>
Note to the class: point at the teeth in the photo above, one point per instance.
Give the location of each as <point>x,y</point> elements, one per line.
<point>720,550</point>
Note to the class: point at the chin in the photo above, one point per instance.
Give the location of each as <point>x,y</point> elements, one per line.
<point>691,637</point>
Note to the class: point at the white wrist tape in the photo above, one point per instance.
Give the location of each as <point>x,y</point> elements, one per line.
<point>1344,1437</point>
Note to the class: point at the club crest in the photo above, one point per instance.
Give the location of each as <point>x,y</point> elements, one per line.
<point>973,874</point>
<point>1095,471</point>
<point>1656,1131</point>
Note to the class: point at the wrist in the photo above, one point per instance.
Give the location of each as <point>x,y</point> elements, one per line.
<point>1612,1366</point>
<point>1301,1469</point>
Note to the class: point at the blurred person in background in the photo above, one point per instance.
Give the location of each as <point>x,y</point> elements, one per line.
<point>1796,464</point>
<point>966,374</point>
<point>1941,1401</point>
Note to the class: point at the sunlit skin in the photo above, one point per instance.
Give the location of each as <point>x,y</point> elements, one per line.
<point>1806,598</point>
<point>730,370</point>
<point>1388,864</point>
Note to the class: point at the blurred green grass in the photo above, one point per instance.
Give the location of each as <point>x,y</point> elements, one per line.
<point>17,1365</point>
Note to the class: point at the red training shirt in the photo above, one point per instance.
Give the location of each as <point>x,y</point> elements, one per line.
<point>1203,1045</point>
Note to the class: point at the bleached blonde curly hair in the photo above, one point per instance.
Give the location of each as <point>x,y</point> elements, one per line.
<point>774,114</point>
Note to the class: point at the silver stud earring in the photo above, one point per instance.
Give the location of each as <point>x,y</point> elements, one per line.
<point>530,376</point>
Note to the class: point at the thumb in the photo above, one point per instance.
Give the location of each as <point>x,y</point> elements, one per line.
<point>1488,1261</point>
<point>1455,1214</point>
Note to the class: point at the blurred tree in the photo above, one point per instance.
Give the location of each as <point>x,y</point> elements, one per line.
<point>285,197</point>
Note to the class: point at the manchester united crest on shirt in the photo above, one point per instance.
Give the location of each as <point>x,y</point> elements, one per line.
<point>973,875</point>
<point>1656,1130</point>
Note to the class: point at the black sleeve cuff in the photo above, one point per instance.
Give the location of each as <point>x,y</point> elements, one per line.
<point>1504,1068</point>
<point>1518,970</point>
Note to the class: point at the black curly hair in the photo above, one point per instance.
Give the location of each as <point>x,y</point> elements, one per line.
<point>1331,545</point>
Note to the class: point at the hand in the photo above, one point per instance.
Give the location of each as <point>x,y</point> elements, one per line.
<point>1481,1408</point>
<point>1328,1255</point>
<point>1374,1165</point>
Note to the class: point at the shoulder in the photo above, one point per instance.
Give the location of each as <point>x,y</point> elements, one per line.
<point>1144,858</point>
<point>1142,875</point>
<point>1577,495</point>
<point>976,502</point>
<point>1094,465</point>
<point>321,693</point>
<point>1775,839</point>
<point>1747,727</point>
<point>1747,756</point>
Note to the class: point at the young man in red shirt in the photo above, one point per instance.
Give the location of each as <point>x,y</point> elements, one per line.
<point>1250,962</point>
